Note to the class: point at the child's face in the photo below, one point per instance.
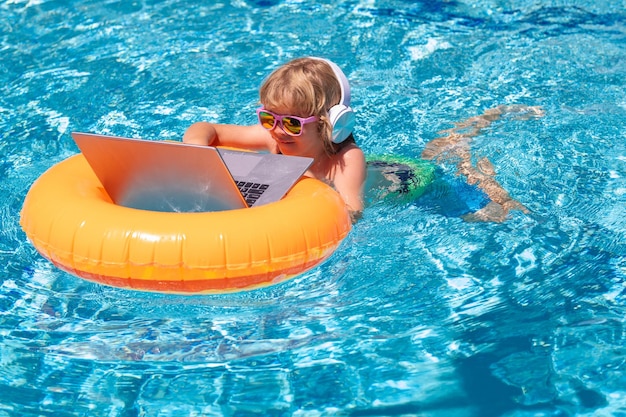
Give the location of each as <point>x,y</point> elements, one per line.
<point>308,143</point>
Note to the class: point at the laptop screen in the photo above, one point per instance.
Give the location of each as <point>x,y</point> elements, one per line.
<point>172,176</point>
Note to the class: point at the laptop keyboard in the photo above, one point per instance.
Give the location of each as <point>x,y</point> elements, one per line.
<point>251,191</point>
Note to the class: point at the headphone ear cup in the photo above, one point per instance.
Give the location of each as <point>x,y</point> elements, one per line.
<point>342,120</point>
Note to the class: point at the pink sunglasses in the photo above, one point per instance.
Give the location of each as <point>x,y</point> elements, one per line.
<point>291,125</point>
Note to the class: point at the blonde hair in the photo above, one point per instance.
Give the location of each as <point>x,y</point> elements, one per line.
<point>309,87</point>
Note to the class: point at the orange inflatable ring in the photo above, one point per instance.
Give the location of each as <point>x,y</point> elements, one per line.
<point>71,221</point>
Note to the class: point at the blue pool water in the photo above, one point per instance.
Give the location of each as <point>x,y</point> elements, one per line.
<point>419,312</point>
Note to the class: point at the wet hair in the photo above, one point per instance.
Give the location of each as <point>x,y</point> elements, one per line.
<point>308,87</point>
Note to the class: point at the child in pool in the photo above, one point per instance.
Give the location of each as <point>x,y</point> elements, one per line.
<point>305,112</point>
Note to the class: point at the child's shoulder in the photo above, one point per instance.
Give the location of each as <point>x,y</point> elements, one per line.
<point>350,159</point>
<point>351,151</point>
<point>347,147</point>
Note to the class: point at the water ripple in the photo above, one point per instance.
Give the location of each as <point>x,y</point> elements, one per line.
<point>418,312</point>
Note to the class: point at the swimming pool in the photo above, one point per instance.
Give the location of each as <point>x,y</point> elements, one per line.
<point>419,312</point>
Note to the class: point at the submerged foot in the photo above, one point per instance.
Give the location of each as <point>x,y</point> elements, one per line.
<point>492,212</point>
<point>495,212</point>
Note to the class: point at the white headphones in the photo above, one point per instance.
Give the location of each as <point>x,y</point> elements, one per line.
<point>341,116</point>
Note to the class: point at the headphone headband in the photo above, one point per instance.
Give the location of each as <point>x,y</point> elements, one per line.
<point>344,84</point>
<point>341,116</point>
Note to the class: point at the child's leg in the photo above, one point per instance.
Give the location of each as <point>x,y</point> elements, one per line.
<point>455,146</point>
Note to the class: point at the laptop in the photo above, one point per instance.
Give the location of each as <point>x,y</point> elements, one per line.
<point>177,177</point>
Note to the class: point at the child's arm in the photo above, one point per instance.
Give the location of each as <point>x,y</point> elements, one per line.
<point>253,137</point>
<point>349,179</point>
